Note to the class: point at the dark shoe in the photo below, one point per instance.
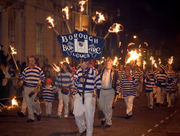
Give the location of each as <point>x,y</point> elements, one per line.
<point>107,126</point>
<point>82,134</point>
<point>30,121</point>
<point>128,116</point>
<point>20,114</point>
<point>102,122</point>
<point>38,117</point>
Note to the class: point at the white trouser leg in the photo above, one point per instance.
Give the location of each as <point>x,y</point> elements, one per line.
<point>129,104</point>
<point>29,101</point>
<point>66,103</point>
<point>60,104</point>
<point>48,108</point>
<point>158,91</point>
<point>24,105</point>
<point>84,113</point>
<point>106,101</point>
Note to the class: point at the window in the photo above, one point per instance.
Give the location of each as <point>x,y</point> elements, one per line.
<point>39,39</point>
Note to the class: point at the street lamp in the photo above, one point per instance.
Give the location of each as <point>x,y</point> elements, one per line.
<point>134,36</point>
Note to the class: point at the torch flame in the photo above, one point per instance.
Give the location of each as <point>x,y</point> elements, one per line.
<point>170,60</point>
<point>13,50</point>
<point>115,28</point>
<point>144,64</point>
<point>66,11</point>
<point>67,60</point>
<point>133,56</point>
<point>131,43</point>
<point>115,61</point>
<point>159,61</point>
<point>50,20</point>
<point>56,68</point>
<point>14,102</point>
<point>98,18</point>
<point>82,3</point>
<point>152,60</point>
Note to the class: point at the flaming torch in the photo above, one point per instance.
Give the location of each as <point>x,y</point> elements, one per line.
<point>115,28</point>
<point>56,68</point>
<point>170,60</point>
<point>98,18</point>
<point>67,60</point>
<point>14,102</point>
<point>115,61</point>
<point>144,64</point>
<point>13,51</point>
<point>66,11</point>
<point>133,56</point>
<point>81,3</point>
<point>51,23</point>
<point>159,61</point>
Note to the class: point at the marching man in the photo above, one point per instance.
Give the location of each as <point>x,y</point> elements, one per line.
<point>85,80</point>
<point>32,76</point>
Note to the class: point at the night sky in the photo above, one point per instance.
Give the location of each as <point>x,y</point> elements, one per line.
<point>153,20</point>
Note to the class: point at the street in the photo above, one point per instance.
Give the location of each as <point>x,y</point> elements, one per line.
<point>161,121</point>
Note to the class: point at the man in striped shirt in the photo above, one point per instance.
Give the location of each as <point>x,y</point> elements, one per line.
<point>32,76</point>
<point>161,80</point>
<point>128,86</point>
<point>63,83</point>
<point>85,80</point>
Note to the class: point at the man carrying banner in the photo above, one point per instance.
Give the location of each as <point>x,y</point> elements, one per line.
<point>85,80</point>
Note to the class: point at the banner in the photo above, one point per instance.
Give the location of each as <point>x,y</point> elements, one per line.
<point>81,45</point>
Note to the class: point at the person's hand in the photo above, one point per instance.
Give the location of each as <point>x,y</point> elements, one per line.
<point>20,83</point>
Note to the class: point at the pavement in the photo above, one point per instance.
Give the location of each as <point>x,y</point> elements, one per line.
<point>161,121</point>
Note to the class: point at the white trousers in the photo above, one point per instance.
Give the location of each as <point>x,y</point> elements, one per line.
<point>71,101</point>
<point>129,104</point>
<point>63,102</point>
<point>150,99</point>
<point>84,113</point>
<point>32,105</point>
<point>170,99</point>
<point>48,108</point>
<point>161,94</point>
<point>106,101</point>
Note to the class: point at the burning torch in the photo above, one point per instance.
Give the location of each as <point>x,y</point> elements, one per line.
<point>51,23</point>
<point>115,28</point>
<point>66,11</point>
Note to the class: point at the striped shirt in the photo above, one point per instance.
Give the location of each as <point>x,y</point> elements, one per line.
<point>64,80</point>
<point>171,81</point>
<point>161,79</point>
<point>31,76</point>
<point>128,86</point>
<point>48,94</point>
<point>92,82</point>
<point>149,84</point>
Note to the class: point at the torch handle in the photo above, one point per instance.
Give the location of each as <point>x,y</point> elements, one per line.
<point>106,35</point>
<point>15,62</point>
<point>69,29</point>
<point>55,31</point>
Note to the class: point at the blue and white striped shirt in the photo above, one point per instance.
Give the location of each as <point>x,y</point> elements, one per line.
<point>161,79</point>
<point>48,94</point>
<point>93,80</point>
<point>128,86</point>
<point>31,76</point>
<point>64,80</point>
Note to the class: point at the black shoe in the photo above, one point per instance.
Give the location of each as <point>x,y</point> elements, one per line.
<point>38,117</point>
<point>107,126</point>
<point>102,122</point>
<point>20,114</point>
<point>30,121</point>
<point>82,134</point>
<point>128,116</point>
